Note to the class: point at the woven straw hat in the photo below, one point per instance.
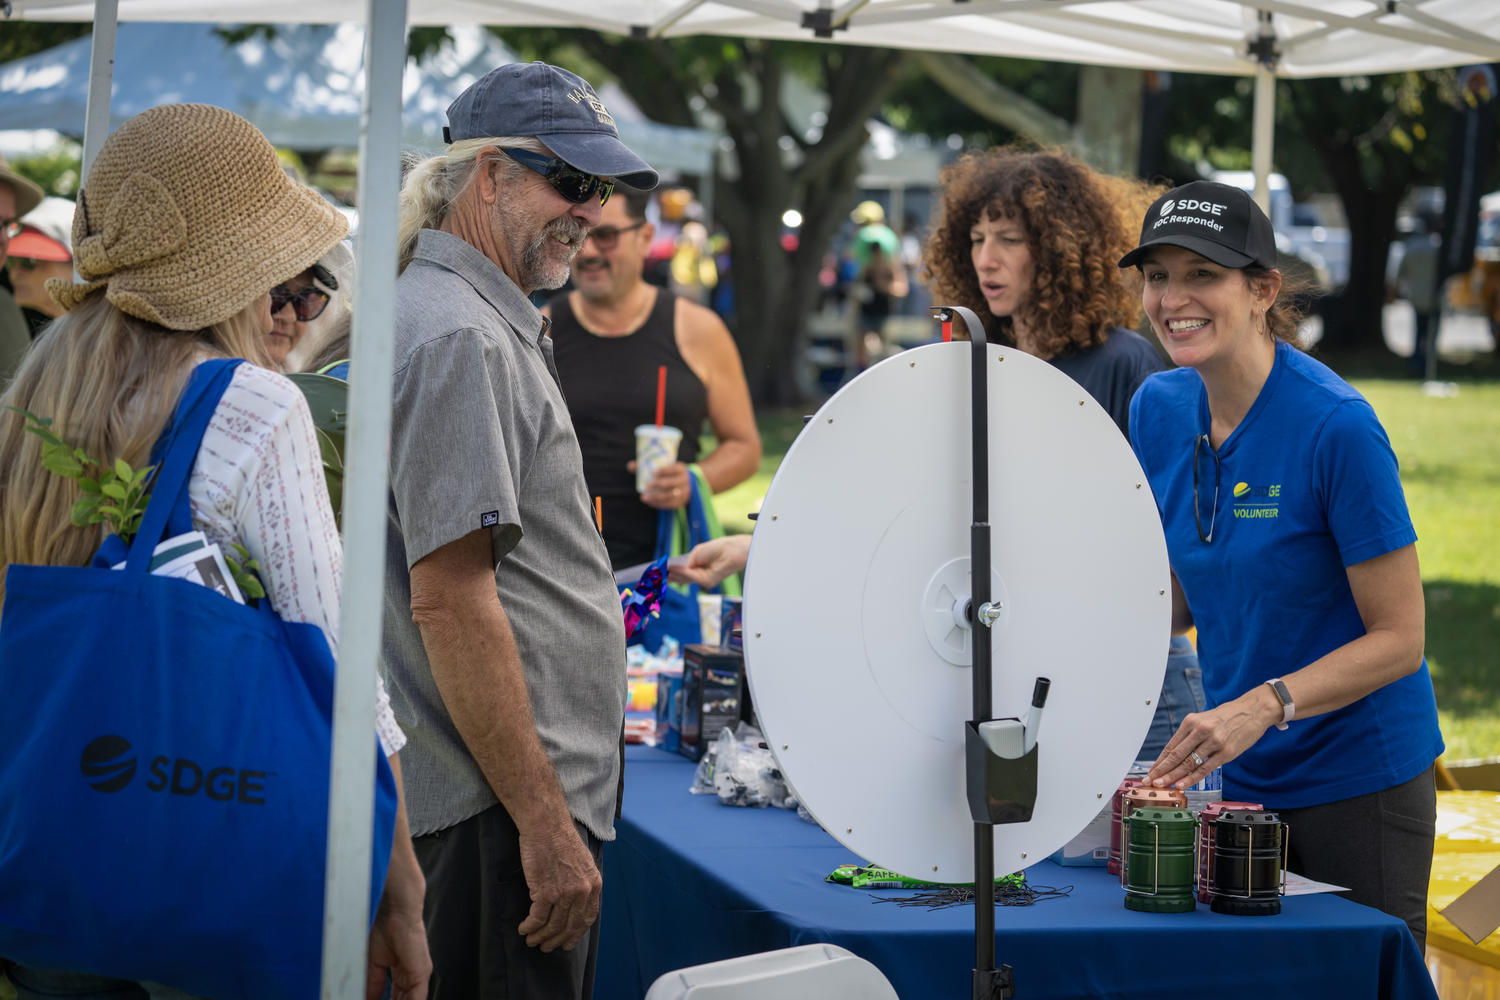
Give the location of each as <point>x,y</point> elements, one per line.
<point>186,218</point>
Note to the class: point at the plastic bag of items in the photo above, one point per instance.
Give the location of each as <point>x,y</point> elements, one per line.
<point>738,767</point>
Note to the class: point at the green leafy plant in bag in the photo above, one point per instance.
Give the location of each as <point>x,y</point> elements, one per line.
<point>115,494</point>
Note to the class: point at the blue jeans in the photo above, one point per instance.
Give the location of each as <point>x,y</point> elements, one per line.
<point>48,984</point>
<point>1181,693</point>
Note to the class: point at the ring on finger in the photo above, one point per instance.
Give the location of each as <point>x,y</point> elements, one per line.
<point>1197,760</point>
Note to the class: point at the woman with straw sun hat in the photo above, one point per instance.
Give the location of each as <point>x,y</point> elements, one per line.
<point>184,224</point>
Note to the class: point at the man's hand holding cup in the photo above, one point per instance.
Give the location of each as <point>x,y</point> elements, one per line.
<point>662,481</point>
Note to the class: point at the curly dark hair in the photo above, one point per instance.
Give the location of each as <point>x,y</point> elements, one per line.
<point>1078,222</point>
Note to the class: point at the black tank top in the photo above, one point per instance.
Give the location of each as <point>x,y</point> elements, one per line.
<point>610,386</point>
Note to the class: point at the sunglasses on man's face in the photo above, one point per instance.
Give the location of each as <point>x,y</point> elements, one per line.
<point>605,237</point>
<point>307,304</point>
<point>25,263</point>
<point>568,181</point>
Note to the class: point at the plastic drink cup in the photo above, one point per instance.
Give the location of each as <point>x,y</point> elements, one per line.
<point>710,607</point>
<point>654,447</point>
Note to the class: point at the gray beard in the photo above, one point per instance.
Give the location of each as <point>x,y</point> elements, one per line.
<point>538,270</point>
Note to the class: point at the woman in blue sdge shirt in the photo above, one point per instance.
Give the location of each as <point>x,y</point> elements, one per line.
<point>1293,554</point>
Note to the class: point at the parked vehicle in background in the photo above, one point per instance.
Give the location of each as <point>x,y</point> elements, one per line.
<point>1301,231</point>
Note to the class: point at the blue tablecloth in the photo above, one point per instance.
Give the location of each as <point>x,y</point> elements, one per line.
<point>689,880</point>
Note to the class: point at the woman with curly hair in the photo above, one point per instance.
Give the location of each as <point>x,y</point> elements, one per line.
<point>1030,240</point>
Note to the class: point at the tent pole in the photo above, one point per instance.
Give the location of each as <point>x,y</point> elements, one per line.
<point>101,79</point>
<point>1262,135</point>
<point>351,791</point>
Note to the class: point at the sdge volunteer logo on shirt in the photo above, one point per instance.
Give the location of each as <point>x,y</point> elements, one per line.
<point>1257,501</point>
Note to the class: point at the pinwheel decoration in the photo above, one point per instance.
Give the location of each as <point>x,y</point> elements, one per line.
<point>641,601</point>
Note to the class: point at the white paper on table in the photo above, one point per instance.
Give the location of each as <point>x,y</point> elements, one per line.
<point>1300,885</point>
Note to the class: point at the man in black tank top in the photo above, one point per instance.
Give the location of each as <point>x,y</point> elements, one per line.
<point>610,338</point>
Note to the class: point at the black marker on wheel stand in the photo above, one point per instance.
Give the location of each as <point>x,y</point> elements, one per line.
<point>1034,716</point>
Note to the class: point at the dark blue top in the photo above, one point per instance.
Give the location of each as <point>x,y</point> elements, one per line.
<point>1113,371</point>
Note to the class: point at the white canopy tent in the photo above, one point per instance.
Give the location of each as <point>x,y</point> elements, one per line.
<point>1261,38</point>
<point>1264,38</point>
<point>1313,37</point>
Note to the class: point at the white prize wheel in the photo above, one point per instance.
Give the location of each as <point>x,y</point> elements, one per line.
<point>856,649</point>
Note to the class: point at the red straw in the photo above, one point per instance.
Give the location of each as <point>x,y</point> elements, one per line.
<point>661,394</point>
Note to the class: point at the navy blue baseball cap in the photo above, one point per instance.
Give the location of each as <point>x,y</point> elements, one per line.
<point>559,108</point>
<point>1217,221</point>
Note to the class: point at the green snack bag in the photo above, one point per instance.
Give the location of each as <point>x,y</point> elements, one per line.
<point>870,877</point>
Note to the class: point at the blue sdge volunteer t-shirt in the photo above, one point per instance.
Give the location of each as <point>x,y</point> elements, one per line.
<point>1307,486</point>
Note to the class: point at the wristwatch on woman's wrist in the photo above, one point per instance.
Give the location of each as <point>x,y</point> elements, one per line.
<point>1288,707</point>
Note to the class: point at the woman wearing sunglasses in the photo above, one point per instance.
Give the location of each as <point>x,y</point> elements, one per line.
<point>182,226</point>
<point>1293,554</point>
<point>295,303</point>
<point>1028,239</point>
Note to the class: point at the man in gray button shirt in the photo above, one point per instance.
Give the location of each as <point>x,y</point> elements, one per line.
<point>503,631</point>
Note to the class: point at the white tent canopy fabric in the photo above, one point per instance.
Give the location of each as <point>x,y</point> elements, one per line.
<point>302,87</point>
<point>1312,37</point>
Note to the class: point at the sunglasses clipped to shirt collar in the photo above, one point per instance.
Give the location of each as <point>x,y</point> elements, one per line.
<point>568,181</point>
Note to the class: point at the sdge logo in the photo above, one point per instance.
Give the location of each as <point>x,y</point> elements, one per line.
<point>105,765</point>
<point>108,765</point>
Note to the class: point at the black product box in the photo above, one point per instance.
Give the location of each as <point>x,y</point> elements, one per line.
<point>713,686</point>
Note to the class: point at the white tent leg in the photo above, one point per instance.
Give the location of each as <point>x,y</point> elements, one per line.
<point>351,795</point>
<point>101,79</point>
<point>1262,135</point>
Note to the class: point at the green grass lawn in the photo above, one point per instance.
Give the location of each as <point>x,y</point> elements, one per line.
<point>1449,451</point>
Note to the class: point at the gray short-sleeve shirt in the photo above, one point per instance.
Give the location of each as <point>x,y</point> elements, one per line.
<point>480,438</point>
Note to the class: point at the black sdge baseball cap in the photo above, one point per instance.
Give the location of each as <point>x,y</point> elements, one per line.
<point>1217,221</point>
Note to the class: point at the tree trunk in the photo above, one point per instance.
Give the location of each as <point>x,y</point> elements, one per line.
<point>1110,106</point>
<point>1353,319</point>
<point>970,86</point>
<point>1371,173</point>
<point>777,290</point>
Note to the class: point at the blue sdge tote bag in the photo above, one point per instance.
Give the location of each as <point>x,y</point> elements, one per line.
<point>164,788</point>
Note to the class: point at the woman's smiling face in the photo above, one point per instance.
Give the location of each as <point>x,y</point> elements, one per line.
<point>1201,310</point>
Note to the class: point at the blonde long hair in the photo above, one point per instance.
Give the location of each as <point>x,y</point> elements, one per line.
<point>431,186</point>
<point>109,382</point>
